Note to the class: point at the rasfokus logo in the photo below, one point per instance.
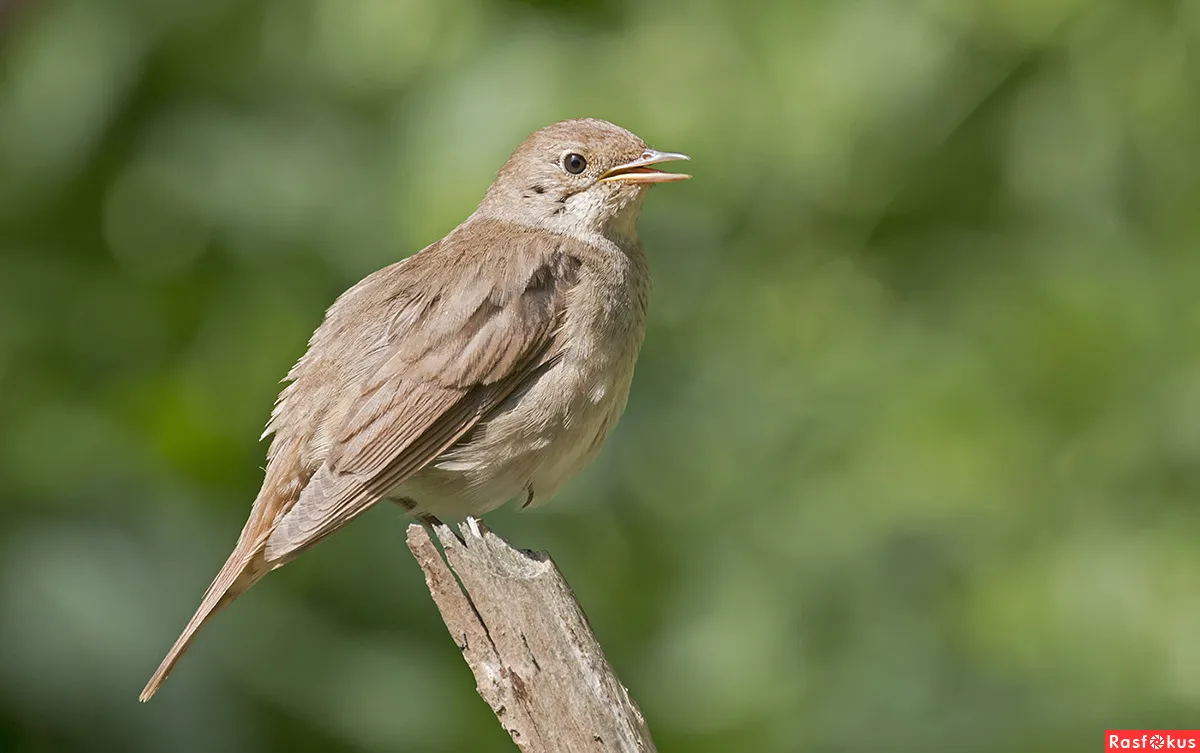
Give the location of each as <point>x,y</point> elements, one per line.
<point>1151,739</point>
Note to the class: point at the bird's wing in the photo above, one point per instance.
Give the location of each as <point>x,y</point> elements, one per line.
<point>426,348</point>
<point>458,342</point>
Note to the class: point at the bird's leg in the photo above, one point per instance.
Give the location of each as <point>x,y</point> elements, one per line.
<point>424,518</point>
<point>431,522</point>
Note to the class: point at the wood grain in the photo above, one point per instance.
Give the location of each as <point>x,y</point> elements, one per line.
<point>535,658</point>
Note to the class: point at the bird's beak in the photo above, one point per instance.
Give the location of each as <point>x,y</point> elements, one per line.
<point>640,170</point>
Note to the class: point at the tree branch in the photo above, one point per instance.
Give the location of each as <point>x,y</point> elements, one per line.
<point>535,659</point>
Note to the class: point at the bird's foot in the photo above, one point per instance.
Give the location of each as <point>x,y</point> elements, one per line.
<point>409,505</point>
<point>426,519</point>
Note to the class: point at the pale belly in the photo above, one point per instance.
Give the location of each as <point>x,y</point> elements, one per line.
<point>534,443</point>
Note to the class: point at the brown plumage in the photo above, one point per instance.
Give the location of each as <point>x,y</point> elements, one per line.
<point>490,365</point>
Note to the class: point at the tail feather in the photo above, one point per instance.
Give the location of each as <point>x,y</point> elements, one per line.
<point>238,574</point>
<point>285,479</point>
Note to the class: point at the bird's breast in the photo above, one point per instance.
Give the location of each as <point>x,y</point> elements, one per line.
<point>549,430</point>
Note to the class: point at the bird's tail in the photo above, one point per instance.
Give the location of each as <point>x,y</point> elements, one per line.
<point>238,573</point>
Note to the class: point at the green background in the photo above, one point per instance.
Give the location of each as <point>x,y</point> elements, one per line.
<point>913,453</point>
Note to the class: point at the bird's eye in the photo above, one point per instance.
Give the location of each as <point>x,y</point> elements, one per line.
<point>574,163</point>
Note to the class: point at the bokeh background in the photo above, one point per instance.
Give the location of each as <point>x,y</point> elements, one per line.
<point>912,459</point>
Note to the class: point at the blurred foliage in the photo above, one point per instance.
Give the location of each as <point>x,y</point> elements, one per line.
<point>913,455</point>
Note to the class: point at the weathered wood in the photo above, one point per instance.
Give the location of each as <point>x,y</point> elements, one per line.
<point>535,659</point>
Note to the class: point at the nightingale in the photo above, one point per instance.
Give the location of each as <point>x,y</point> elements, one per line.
<point>490,365</point>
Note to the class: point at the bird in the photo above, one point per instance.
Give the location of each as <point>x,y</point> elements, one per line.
<point>487,367</point>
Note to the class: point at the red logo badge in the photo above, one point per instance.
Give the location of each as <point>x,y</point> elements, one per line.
<point>1151,739</point>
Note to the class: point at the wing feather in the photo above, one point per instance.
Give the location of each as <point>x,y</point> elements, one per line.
<point>404,365</point>
<point>469,346</point>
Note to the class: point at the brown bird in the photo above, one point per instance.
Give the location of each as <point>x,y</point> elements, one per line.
<point>490,365</point>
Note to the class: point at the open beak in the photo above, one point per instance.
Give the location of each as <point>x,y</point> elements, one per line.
<point>640,170</point>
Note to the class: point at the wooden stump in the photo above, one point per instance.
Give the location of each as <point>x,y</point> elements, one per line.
<point>535,659</point>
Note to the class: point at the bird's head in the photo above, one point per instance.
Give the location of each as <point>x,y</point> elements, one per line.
<point>579,177</point>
